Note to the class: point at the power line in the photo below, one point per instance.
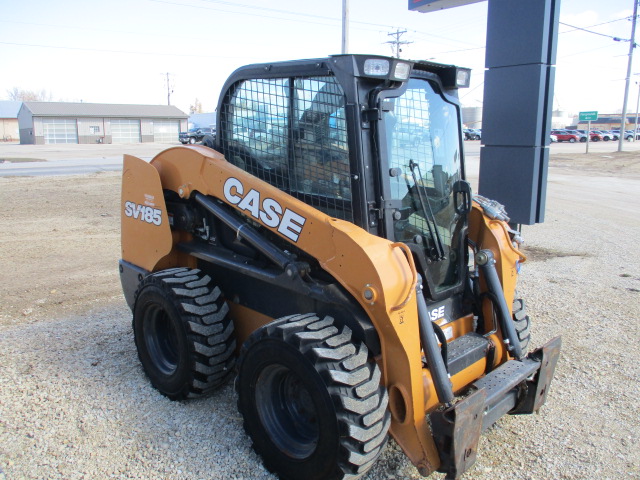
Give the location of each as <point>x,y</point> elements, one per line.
<point>597,24</point>
<point>397,42</point>
<point>131,52</point>
<point>617,39</point>
<point>334,20</point>
<point>288,12</point>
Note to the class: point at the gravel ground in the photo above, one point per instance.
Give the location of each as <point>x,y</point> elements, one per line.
<point>75,404</point>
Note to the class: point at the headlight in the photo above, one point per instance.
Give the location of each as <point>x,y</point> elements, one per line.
<point>376,67</point>
<point>463,77</point>
<point>402,71</point>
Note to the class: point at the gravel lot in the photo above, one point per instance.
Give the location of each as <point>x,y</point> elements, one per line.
<point>75,404</point>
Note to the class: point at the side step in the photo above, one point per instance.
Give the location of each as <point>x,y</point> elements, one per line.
<point>465,351</point>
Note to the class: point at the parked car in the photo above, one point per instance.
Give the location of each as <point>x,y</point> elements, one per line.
<point>594,136</point>
<point>194,135</point>
<point>553,138</point>
<point>582,137</point>
<point>628,135</point>
<point>471,134</point>
<point>606,136</point>
<point>565,136</point>
<point>617,135</point>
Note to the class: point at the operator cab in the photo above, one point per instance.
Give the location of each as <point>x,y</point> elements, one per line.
<point>372,140</point>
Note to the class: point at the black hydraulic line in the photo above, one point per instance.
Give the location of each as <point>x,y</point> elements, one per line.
<point>245,232</point>
<point>438,370</point>
<point>487,264</point>
<point>444,348</point>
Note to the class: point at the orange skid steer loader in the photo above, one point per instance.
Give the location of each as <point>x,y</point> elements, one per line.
<point>325,247</point>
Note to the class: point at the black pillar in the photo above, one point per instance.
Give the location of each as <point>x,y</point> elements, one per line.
<point>518,95</point>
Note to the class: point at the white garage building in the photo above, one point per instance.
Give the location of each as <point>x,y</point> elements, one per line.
<point>58,122</point>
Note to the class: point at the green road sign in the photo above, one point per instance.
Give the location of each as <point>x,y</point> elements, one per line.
<point>588,116</point>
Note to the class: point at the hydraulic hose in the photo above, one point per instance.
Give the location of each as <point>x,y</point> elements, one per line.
<point>432,352</point>
<point>487,264</point>
<point>444,349</point>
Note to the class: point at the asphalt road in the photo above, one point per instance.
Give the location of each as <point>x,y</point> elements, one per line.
<point>46,160</point>
<point>43,160</point>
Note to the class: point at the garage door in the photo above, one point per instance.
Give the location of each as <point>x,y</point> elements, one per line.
<point>59,130</point>
<point>125,131</point>
<point>166,131</point>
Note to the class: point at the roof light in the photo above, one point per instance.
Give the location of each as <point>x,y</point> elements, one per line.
<point>376,66</point>
<point>463,77</point>
<point>402,71</point>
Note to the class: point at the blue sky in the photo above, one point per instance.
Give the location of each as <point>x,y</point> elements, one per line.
<point>120,51</point>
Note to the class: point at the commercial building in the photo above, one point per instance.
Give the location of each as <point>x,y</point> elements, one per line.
<point>9,121</point>
<point>58,122</point>
<point>199,120</point>
<point>609,121</point>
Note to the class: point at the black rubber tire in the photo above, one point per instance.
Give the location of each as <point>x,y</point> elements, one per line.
<point>192,140</point>
<point>208,141</point>
<point>311,399</point>
<point>522,323</point>
<point>572,140</point>
<point>183,334</point>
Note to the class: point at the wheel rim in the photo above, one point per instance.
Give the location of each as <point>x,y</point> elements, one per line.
<point>161,339</point>
<point>287,412</point>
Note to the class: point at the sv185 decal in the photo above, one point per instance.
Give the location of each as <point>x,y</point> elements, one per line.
<point>143,213</point>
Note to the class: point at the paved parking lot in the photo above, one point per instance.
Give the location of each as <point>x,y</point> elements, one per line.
<point>13,151</point>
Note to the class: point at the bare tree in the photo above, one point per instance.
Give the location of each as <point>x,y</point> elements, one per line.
<point>196,107</point>
<point>29,95</point>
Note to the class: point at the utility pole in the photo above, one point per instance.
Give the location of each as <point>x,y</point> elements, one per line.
<point>396,43</point>
<point>169,90</point>
<point>632,45</point>
<point>345,26</point>
<point>637,104</point>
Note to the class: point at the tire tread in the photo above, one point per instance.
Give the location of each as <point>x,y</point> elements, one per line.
<point>351,379</point>
<point>208,328</point>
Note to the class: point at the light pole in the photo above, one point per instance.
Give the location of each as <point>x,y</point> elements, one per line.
<point>345,26</point>
<point>632,45</point>
<point>635,133</point>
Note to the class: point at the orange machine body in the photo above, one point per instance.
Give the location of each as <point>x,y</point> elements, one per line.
<point>378,274</point>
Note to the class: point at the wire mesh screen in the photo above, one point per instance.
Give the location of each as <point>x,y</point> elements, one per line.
<point>292,134</point>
